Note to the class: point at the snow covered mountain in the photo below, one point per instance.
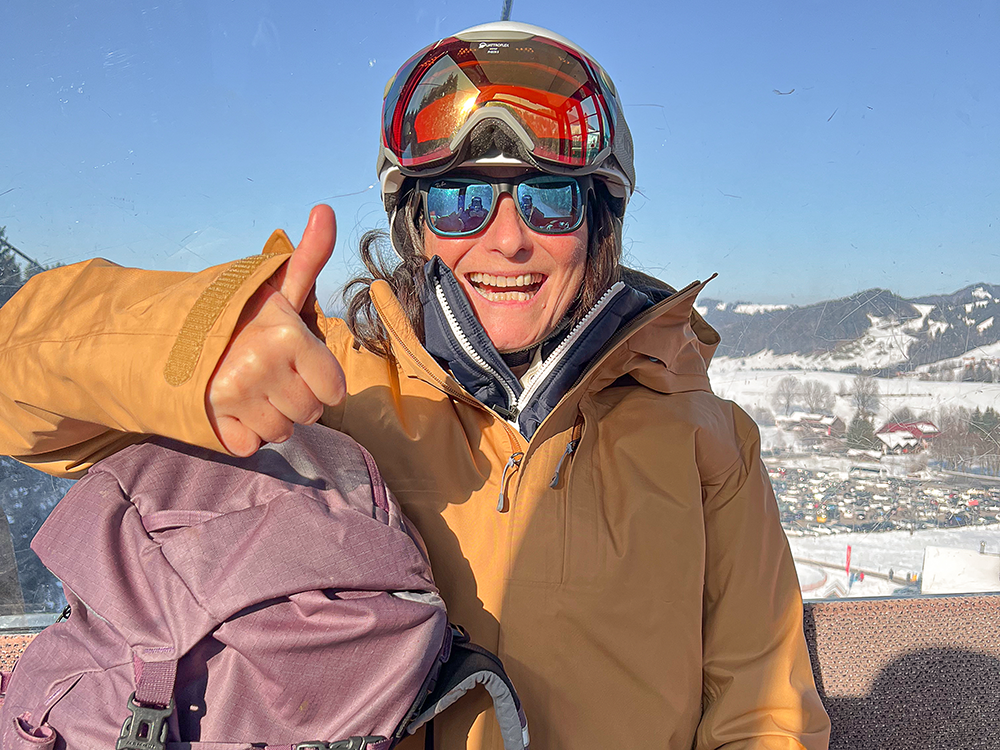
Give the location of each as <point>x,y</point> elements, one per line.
<point>873,330</point>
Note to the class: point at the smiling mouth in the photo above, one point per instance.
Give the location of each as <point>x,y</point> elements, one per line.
<point>519,288</point>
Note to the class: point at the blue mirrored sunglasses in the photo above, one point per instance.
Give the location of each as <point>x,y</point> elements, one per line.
<point>463,206</point>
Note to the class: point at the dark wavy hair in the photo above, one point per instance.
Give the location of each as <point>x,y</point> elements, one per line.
<point>404,271</point>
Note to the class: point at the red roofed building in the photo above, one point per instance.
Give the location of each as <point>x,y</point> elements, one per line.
<point>907,437</point>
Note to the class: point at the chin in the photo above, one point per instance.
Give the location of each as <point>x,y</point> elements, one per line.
<point>505,339</point>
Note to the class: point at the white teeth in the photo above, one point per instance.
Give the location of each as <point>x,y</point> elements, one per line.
<point>505,296</point>
<point>505,282</point>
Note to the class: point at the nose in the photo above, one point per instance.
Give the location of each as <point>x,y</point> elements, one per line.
<point>507,233</point>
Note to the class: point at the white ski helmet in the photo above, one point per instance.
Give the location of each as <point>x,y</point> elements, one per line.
<point>503,93</point>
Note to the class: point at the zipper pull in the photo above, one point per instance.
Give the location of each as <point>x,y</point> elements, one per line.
<point>512,463</point>
<point>508,414</point>
<point>570,447</point>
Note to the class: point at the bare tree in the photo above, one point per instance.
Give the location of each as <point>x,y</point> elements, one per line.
<point>984,429</point>
<point>902,414</point>
<point>763,416</point>
<point>11,277</point>
<point>865,395</point>
<point>785,394</point>
<point>954,447</point>
<point>817,397</point>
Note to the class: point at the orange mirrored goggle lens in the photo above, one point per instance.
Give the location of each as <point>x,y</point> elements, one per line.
<point>559,99</point>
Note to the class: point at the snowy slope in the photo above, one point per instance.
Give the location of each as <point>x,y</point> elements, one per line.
<point>902,551</point>
<point>871,330</point>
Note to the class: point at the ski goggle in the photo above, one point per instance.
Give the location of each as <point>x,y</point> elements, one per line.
<point>463,206</point>
<point>558,101</point>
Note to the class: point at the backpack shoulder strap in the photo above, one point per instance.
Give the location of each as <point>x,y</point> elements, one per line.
<point>467,666</point>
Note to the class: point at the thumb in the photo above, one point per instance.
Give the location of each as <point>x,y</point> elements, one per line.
<point>310,256</point>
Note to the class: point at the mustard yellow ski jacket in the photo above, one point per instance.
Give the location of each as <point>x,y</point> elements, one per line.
<point>627,564</point>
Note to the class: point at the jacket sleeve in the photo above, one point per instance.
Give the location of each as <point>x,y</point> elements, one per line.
<point>757,680</point>
<point>94,356</point>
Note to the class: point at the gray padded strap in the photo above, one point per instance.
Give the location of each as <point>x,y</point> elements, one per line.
<point>468,666</point>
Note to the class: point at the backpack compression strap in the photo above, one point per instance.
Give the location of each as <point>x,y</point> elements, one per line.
<point>152,703</point>
<point>470,665</point>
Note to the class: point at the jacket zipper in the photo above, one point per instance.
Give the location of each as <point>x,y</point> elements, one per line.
<point>459,395</point>
<point>571,447</point>
<point>512,463</point>
<point>551,362</point>
<point>515,461</point>
<point>635,324</point>
<point>566,344</point>
<point>463,341</point>
<point>517,457</point>
<point>517,404</point>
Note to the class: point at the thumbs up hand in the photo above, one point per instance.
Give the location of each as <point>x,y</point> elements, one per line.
<point>275,373</point>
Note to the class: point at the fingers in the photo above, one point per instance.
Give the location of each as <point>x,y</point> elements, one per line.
<point>274,373</point>
<point>270,417</point>
<point>295,401</point>
<point>237,438</point>
<point>262,416</point>
<point>310,256</point>
<point>244,438</point>
<point>321,373</point>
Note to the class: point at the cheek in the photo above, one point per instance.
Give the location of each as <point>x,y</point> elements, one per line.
<point>450,251</point>
<point>572,258</point>
<point>430,244</point>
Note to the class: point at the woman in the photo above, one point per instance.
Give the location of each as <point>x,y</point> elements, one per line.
<point>593,513</point>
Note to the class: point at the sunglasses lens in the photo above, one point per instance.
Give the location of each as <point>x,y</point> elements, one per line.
<point>553,205</point>
<point>548,204</point>
<point>456,207</point>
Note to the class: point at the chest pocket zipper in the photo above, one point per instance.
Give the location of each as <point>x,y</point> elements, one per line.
<point>512,464</point>
<point>571,447</point>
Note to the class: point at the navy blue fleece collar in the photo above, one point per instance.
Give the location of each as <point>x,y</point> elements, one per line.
<point>449,318</point>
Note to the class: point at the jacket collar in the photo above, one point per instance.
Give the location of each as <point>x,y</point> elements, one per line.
<point>665,346</point>
<point>454,336</point>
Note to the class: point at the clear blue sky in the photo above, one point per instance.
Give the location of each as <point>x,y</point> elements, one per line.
<point>177,134</point>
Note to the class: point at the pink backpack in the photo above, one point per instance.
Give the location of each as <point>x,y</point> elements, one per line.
<point>277,601</point>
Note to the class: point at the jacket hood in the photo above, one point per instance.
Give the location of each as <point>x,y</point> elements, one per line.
<point>667,348</point>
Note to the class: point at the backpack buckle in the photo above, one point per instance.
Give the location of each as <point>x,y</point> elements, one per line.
<point>146,728</point>
<point>351,743</point>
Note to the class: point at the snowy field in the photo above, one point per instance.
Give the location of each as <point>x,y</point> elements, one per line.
<point>740,380</point>
<point>752,382</point>
<point>902,551</point>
